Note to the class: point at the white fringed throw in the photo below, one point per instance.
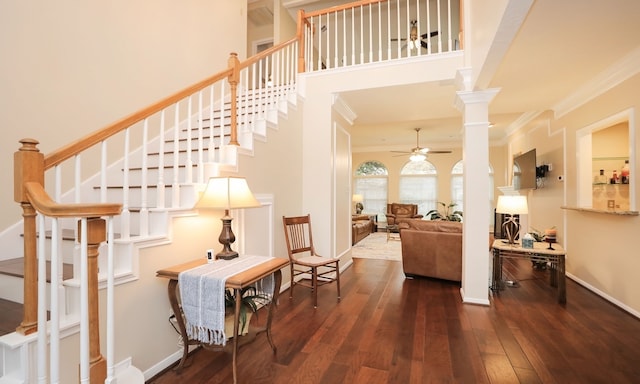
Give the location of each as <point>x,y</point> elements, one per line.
<point>202,293</point>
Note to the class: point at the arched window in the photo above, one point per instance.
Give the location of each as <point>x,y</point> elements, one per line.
<point>370,181</point>
<point>419,185</point>
<point>456,188</point>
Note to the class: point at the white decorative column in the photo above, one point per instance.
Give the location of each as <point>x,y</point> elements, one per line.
<point>474,106</point>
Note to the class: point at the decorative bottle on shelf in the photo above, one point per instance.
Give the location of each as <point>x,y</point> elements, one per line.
<point>601,178</point>
<point>614,177</point>
<point>624,173</point>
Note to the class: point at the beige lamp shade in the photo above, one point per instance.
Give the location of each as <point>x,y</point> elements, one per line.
<point>227,193</point>
<point>512,205</point>
<point>357,198</point>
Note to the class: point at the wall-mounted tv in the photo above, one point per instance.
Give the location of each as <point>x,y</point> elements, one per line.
<point>524,171</point>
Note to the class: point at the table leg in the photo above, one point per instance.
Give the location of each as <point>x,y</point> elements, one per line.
<point>562,283</point>
<point>277,276</point>
<point>496,279</point>
<point>553,275</point>
<point>175,307</point>
<point>236,318</point>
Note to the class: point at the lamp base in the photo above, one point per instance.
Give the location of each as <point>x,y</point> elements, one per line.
<point>227,255</point>
<point>226,238</point>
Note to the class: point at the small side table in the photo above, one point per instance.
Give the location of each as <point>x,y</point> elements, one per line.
<point>540,251</point>
<point>392,229</point>
<point>235,282</point>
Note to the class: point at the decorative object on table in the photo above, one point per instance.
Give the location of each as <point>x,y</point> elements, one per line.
<point>527,241</point>
<point>550,236</point>
<point>226,193</point>
<point>447,213</point>
<point>538,236</point>
<point>358,199</point>
<point>512,205</point>
<point>250,300</point>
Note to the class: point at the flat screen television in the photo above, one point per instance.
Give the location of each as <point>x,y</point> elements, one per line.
<point>524,171</point>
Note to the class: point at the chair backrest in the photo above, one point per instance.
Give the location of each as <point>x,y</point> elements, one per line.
<point>297,233</point>
<point>405,210</point>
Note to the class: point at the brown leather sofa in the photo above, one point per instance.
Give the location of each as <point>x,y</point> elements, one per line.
<point>396,212</point>
<point>432,249</point>
<point>361,227</point>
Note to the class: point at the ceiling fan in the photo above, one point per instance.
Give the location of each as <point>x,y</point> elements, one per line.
<point>419,153</point>
<point>413,41</point>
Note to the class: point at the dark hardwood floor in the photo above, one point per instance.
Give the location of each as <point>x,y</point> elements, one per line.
<point>389,329</point>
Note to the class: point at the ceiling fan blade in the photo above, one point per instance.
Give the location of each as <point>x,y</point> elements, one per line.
<point>436,152</point>
<point>430,34</point>
<point>405,152</point>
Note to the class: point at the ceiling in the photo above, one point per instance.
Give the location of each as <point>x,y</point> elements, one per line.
<point>560,46</point>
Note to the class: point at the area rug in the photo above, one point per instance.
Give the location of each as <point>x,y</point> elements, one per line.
<point>376,246</point>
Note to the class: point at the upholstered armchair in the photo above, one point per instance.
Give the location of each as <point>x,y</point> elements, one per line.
<point>397,211</point>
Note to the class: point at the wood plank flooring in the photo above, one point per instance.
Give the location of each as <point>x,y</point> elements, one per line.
<point>388,329</point>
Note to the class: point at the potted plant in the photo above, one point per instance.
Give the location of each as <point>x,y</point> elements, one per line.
<point>250,301</point>
<point>447,213</point>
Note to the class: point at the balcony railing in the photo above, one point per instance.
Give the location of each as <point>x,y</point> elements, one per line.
<point>378,30</point>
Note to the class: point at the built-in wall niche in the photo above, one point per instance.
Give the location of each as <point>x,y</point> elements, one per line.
<point>604,148</point>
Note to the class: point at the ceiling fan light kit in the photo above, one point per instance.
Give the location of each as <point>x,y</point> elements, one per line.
<point>419,153</point>
<point>418,157</point>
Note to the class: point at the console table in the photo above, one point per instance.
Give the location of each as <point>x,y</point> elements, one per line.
<point>539,252</point>
<point>235,282</point>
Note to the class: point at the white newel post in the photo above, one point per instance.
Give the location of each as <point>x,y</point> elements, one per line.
<point>475,155</point>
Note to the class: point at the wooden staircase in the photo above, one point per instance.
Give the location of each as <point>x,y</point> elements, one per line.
<point>12,269</point>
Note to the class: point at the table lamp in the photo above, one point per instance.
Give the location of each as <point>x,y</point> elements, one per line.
<point>358,199</point>
<point>226,193</point>
<point>512,205</point>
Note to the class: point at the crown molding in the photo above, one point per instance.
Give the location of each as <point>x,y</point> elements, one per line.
<point>344,109</point>
<point>620,71</point>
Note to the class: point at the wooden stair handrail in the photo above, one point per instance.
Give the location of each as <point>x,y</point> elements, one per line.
<point>338,8</point>
<point>41,201</point>
<point>94,138</point>
<point>76,147</point>
<point>259,56</point>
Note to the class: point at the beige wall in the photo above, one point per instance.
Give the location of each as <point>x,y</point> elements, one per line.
<point>69,68</point>
<point>600,247</point>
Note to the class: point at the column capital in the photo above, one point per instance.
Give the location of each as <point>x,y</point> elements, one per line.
<point>464,98</point>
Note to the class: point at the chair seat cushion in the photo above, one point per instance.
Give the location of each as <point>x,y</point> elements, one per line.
<point>314,260</point>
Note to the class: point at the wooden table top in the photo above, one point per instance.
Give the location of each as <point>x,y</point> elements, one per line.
<point>538,247</point>
<point>239,280</point>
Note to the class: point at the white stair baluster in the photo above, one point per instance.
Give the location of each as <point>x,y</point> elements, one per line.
<point>175,187</point>
<point>160,198</point>
<point>144,183</point>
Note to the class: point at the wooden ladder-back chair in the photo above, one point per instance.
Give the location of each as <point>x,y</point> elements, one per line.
<point>304,259</point>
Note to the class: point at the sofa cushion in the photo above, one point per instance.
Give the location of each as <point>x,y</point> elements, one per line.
<point>432,225</point>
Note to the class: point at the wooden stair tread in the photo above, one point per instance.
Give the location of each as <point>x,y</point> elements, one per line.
<point>15,267</point>
<point>11,316</point>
